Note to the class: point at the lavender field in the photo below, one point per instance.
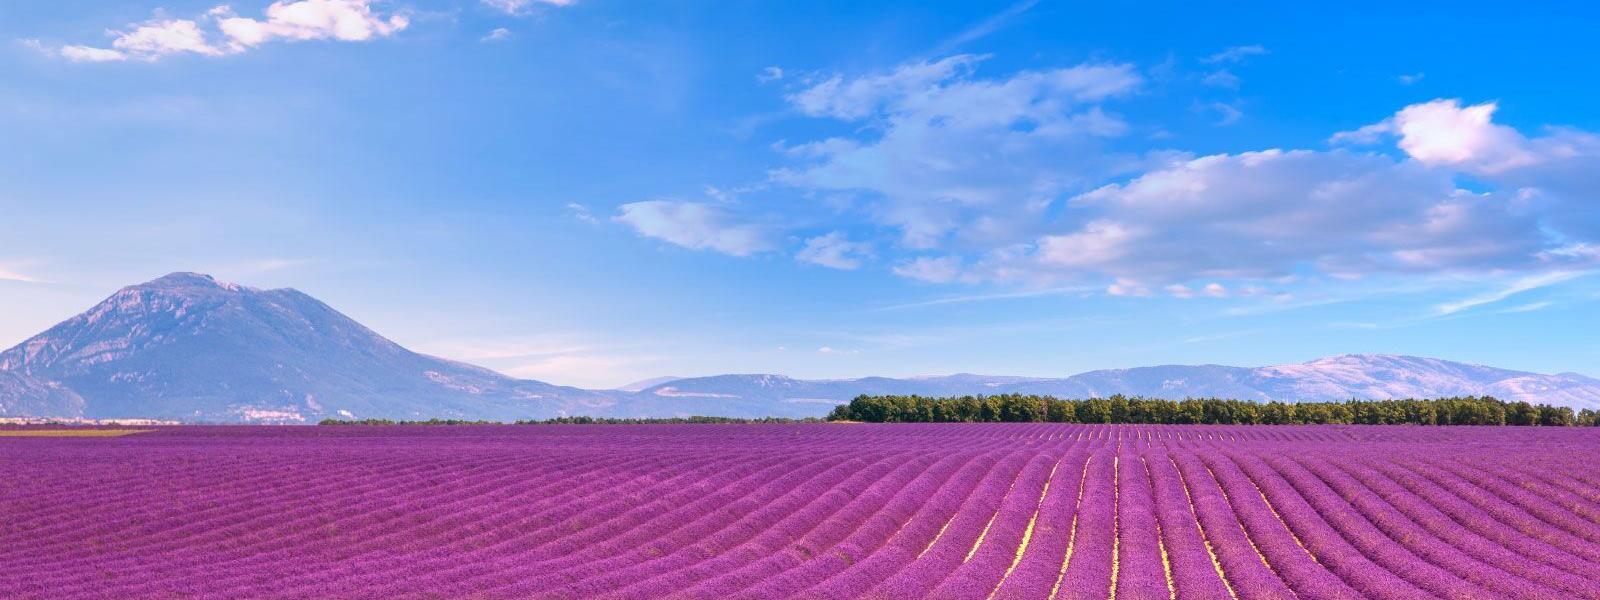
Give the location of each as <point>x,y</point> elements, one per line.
<point>803,511</point>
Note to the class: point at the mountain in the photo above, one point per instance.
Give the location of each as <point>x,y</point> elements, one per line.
<point>1370,376</point>
<point>188,347</point>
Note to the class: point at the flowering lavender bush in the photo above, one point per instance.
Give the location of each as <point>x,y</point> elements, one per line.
<point>1018,510</point>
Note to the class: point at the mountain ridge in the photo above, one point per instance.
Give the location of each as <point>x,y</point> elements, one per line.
<point>188,347</point>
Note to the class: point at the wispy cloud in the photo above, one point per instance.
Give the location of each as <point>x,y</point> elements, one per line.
<point>770,74</point>
<point>971,298</point>
<point>835,251</point>
<point>984,28</point>
<point>498,34</point>
<point>522,7</point>
<point>9,273</point>
<point>1530,307</point>
<point>1222,79</point>
<point>695,225</point>
<point>1227,114</point>
<point>1519,286</point>
<point>581,213</point>
<point>568,359</point>
<point>1235,54</point>
<point>1215,337</point>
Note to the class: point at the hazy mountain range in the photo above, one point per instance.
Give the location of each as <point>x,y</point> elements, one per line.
<point>187,347</point>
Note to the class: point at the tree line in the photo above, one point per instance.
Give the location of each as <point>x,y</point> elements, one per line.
<point>577,421</point>
<point>1016,408</point>
<point>662,421</point>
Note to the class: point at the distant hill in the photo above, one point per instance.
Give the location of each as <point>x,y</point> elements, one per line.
<point>187,347</point>
<point>1368,376</point>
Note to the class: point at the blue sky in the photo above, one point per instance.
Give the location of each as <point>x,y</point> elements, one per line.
<point>592,192</point>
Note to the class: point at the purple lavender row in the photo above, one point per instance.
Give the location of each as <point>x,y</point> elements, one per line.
<point>1471,543</point>
<point>847,554</point>
<point>553,528</point>
<point>894,505</point>
<point>926,503</point>
<point>209,528</point>
<point>373,520</point>
<point>1491,523</point>
<point>1195,574</point>
<point>1326,543</point>
<point>678,534</point>
<point>1545,514</point>
<point>1282,549</point>
<point>1509,513</point>
<point>380,524</point>
<point>1406,532</point>
<point>914,529</point>
<point>956,537</point>
<point>991,555</point>
<point>1142,562</point>
<point>493,512</point>
<point>1370,540</point>
<point>711,554</point>
<point>1035,575</point>
<point>1545,500</point>
<point>1089,560</point>
<point>1245,569</point>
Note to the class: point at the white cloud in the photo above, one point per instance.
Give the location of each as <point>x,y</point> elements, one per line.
<point>150,40</point>
<point>694,225</point>
<point>832,350</point>
<point>1410,78</point>
<point>1127,287</point>
<point>944,269</point>
<point>345,20</point>
<point>987,26</point>
<point>519,7</point>
<point>1227,114</point>
<point>90,54</point>
<point>1525,284</point>
<point>992,180</point>
<point>944,89</point>
<point>1099,242</point>
<point>1444,133</point>
<point>562,358</point>
<point>1367,134</point>
<point>1221,79</point>
<point>770,74</point>
<point>1529,307</point>
<point>835,251</point>
<point>1553,175</point>
<point>989,297</point>
<point>498,34</point>
<point>1264,215</point>
<point>11,274</point>
<point>955,153</point>
<point>581,213</point>
<point>1235,54</point>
